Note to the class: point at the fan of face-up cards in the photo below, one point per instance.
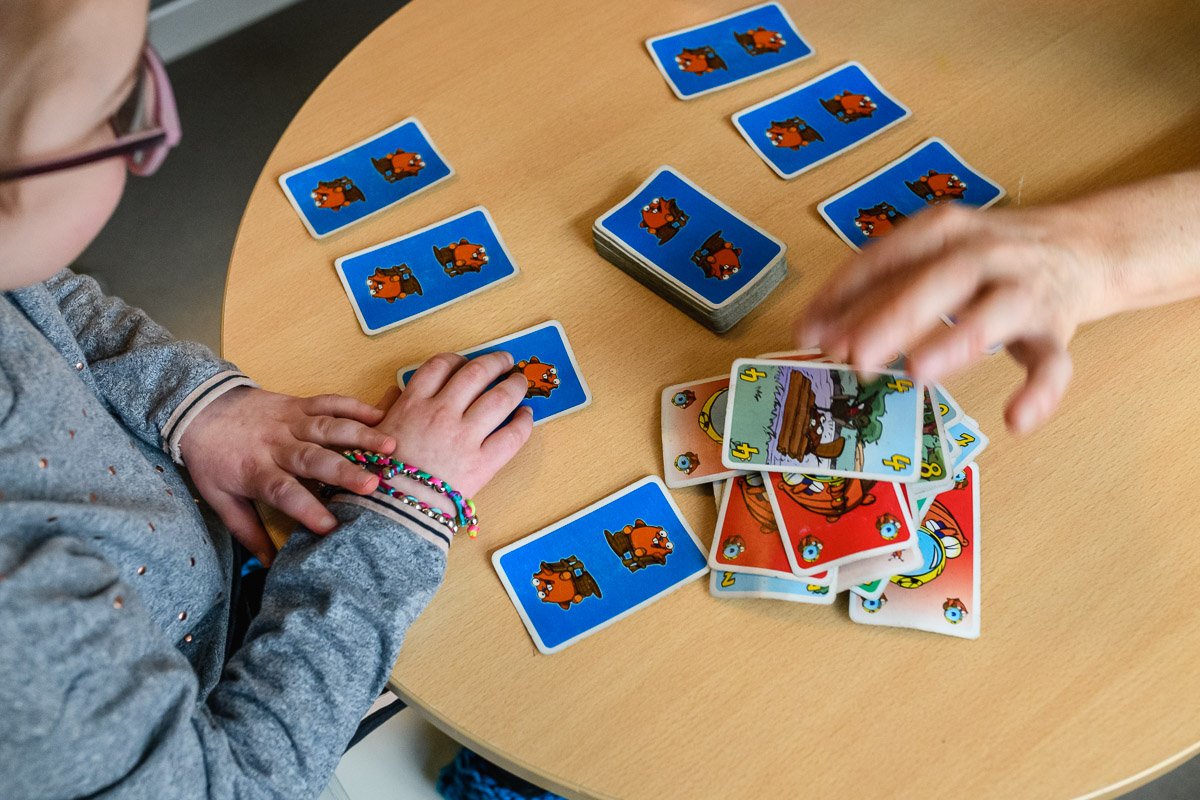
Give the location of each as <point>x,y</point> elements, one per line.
<point>693,250</point>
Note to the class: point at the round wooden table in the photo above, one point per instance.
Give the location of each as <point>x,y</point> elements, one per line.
<point>1086,678</point>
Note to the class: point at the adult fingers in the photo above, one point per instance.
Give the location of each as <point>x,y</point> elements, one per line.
<point>499,448</point>
<point>1048,367</point>
<point>285,493</point>
<point>493,406</point>
<point>239,516</point>
<point>343,433</point>
<point>317,463</point>
<point>431,376</point>
<point>338,405</point>
<point>472,378</point>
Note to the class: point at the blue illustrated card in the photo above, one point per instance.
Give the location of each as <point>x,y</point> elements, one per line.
<point>365,178</point>
<point>806,126</point>
<point>415,274</point>
<point>556,386</point>
<point>931,174</point>
<point>742,584</point>
<point>968,436</point>
<point>600,564</point>
<point>704,247</point>
<point>727,51</point>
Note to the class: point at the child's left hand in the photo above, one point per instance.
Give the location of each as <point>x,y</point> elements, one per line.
<point>251,444</point>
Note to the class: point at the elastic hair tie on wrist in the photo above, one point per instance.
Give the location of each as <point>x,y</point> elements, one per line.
<point>390,468</point>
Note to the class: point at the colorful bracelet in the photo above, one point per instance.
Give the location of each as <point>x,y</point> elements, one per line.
<point>389,468</point>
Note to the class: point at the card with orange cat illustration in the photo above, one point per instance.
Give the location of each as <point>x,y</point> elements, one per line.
<point>939,592</point>
<point>747,539</point>
<point>826,522</point>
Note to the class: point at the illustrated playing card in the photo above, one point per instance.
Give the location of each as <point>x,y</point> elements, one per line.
<point>544,356</point>
<point>827,522</point>
<point>365,178</point>
<point>741,584</point>
<point>787,416</point>
<point>806,126</point>
<point>870,591</point>
<point>950,410</point>
<point>929,175</point>
<point>935,452</point>
<point>747,538</point>
<point>693,421</point>
<point>600,564</point>
<point>727,51</point>
<point>702,247</point>
<point>966,434</point>
<point>412,275</point>
<point>941,593</point>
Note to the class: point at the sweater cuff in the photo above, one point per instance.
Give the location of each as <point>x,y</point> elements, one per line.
<point>407,516</point>
<point>196,401</point>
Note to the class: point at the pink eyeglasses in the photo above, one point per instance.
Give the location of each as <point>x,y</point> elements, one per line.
<point>146,126</point>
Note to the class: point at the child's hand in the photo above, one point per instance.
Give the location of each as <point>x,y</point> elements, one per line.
<point>250,444</point>
<point>445,423</point>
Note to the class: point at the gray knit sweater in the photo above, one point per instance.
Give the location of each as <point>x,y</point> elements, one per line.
<point>114,581</point>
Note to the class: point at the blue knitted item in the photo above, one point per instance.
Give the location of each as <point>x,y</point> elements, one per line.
<point>470,777</point>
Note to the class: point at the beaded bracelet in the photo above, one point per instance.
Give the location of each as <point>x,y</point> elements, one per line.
<point>389,468</point>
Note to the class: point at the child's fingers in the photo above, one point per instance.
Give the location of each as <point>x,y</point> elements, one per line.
<point>338,405</point>
<point>343,433</point>
<point>1049,371</point>
<point>472,378</point>
<point>494,405</point>
<point>317,463</point>
<point>431,376</point>
<point>283,491</point>
<point>390,396</point>
<point>239,516</point>
<point>499,448</point>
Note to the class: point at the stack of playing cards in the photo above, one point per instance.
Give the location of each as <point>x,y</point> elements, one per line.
<point>693,250</point>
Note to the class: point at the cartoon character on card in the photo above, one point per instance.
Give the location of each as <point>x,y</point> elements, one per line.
<point>874,605</point>
<point>398,165</point>
<point>542,378</point>
<point>801,427</point>
<point>732,547</point>
<point>461,257</point>
<point>663,218</point>
<point>961,481</point>
<point>849,107</point>
<point>699,60</point>
<point>639,545</point>
<point>940,538</point>
<point>687,462</point>
<point>828,497</point>
<point>336,194</point>
<point>954,610</point>
<point>718,258</point>
<point>937,187</point>
<point>793,134</point>
<point>683,399</point>
<point>565,582</point>
<point>754,495</point>
<point>393,283</point>
<point>760,41</point>
<point>878,220</point>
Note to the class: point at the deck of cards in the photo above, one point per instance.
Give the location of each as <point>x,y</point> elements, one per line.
<point>693,250</point>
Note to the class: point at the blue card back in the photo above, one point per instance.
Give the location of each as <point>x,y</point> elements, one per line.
<point>727,51</point>
<point>928,175</point>
<point>581,574</point>
<point>415,274</point>
<point>702,246</point>
<point>806,126</point>
<point>365,178</point>
<point>537,351</point>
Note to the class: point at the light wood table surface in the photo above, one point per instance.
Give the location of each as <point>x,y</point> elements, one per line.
<point>1086,680</point>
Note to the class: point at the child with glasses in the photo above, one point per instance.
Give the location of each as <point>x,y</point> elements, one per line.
<point>129,461</point>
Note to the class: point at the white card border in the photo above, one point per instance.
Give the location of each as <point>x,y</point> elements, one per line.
<point>512,595</point>
<point>787,176</point>
<point>337,264</point>
<point>296,204</point>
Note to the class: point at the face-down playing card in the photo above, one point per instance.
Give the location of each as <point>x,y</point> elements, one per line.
<point>826,522</point>
<point>544,356</point>
<point>822,419</point>
<point>365,178</point>
<point>929,175</point>
<point>412,275</point>
<point>941,592</point>
<point>810,124</point>
<point>727,51</point>
<point>700,246</point>
<point>599,564</point>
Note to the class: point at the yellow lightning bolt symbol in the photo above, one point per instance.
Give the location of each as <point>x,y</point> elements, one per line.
<point>750,374</point>
<point>901,385</point>
<point>742,451</point>
<point>965,439</point>
<point>897,462</point>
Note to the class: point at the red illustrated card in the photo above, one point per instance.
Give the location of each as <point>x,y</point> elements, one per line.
<point>747,539</point>
<point>826,521</point>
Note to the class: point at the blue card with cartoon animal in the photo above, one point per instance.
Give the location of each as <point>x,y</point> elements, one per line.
<point>727,51</point>
<point>823,419</point>
<point>703,247</point>
<point>415,274</point>
<point>600,564</point>
<point>929,175</point>
<point>806,126</point>
<point>365,178</point>
<point>742,584</point>
<point>544,356</point>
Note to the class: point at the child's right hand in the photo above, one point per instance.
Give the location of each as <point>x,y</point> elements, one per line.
<point>445,423</point>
